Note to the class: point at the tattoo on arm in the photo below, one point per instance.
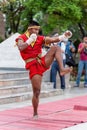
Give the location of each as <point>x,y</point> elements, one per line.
<point>21,45</point>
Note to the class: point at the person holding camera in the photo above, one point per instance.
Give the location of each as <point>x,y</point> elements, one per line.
<point>55,66</point>
<point>82,50</point>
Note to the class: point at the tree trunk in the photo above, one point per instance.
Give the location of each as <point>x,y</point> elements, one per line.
<point>81,29</point>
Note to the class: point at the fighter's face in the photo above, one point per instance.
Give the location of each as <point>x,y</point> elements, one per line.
<point>34,30</point>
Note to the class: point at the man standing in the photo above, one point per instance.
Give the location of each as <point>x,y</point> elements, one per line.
<point>66,47</point>
<point>82,50</point>
<point>30,47</point>
<point>55,68</point>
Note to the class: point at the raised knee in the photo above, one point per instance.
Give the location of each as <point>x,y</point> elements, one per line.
<point>54,48</point>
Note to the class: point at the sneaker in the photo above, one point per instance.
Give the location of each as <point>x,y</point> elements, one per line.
<point>85,85</point>
<point>76,85</point>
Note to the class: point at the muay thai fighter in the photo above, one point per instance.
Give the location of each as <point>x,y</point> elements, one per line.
<point>30,47</point>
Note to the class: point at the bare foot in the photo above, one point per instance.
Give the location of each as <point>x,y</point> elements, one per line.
<point>66,70</point>
<point>35,117</point>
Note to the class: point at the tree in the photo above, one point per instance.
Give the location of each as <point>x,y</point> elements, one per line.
<point>58,15</point>
<point>82,24</point>
<point>69,14</point>
<point>12,10</point>
<point>34,9</point>
<point>52,15</point>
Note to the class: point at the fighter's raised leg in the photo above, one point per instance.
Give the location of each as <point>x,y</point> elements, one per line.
<point>55,52</point>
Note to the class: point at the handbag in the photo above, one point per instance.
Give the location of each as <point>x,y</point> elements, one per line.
<point>70,60</point>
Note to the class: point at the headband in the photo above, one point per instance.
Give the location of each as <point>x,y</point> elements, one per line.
<point>36,27</point>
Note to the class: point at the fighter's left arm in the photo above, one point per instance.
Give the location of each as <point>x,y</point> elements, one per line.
<point>49,40</point>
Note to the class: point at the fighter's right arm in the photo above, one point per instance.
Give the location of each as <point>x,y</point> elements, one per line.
<point>21,45</point>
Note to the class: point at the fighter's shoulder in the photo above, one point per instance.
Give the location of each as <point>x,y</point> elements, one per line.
<point>20,37</point>
<point>41,37</point>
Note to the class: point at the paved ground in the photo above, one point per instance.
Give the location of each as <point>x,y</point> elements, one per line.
<point>65,114</point>
<point>68,93</point>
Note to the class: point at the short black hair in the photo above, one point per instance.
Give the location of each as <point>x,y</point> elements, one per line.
<point>34,23</point>
<point>85,35</point>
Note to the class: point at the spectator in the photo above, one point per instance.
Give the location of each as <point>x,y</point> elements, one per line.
<point>68,47</point>
<point>55,68</point>
<point>82,50</point>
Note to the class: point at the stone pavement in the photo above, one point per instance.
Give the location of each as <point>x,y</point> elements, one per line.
<point>55,113</point>
<point>68,93</point>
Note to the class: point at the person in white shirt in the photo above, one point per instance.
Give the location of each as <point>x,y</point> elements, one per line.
<point>55,68</point>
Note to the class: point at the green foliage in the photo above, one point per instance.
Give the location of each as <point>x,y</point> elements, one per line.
<point>66,10</point>
<point>52,15</point>
<point>34,9</point>
<point>12,10</point>
<point>56,14</point>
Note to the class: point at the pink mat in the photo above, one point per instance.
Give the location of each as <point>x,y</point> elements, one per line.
<point>52,116</point>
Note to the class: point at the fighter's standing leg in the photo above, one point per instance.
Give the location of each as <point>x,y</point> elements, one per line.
<point>36,86</point>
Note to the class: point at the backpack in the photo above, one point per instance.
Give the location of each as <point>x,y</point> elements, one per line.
<point>69,58</point>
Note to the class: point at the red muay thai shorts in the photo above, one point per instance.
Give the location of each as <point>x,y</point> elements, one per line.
<point>36,67</point>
